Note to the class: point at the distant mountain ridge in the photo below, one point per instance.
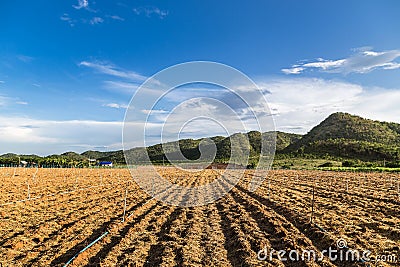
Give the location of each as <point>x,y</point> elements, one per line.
<point>340,135</point>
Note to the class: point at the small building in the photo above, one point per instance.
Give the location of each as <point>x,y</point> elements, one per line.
<point>105,164</point>
<point>23,163</point>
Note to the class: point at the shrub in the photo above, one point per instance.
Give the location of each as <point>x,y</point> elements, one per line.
<point>393,164</point>
<point>347,163</point>
<point>327,164</point>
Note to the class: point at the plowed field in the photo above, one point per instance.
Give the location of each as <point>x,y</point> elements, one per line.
<point>76,217</point>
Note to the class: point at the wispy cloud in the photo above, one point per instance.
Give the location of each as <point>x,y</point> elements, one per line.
<point>72,22</point>
<point>156,115</point>
<point>65,17</point>
<point>150,11</point>
<point>78,17</point>
<point>121,87</point>
<point>25,58</point>
<point>96,20</point>
<point>81,4</point>
<point>293,70</point>
<point>112,70</point>
<point>154,111</point>
<point>6,101</point>
<point>115,17</point>
<point>115,105</point>
<point>363,61</point>
<point>2,81</point>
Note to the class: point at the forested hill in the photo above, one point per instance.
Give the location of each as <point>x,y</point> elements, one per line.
<point>349,136</point>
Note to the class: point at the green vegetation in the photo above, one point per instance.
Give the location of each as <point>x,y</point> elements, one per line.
<point>303,163</point>
<point>361,169</point>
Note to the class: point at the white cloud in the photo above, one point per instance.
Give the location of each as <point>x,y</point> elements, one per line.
<point>65,17</point>
<point>26,135</point>
<point>363,61</point>
<point>154,111</point>
<point>81,4</point>
<point>79,17</point>
<point>164,123</point>
<point>25,58</point>
<point>112,70</point>
<point>198,117</point>
<point>6,101</point>
<point>379,104</point>
<point>2,81</point>
<point>188,91</point>
<point>115,17</point>
<point>150,11</point>
<point>294,70</point>
<point>325,65</point>
<point>300,104</point>
<point>96,20</point>
<point>115,105</point>
<point>72,21</point>
<point>121,87</point>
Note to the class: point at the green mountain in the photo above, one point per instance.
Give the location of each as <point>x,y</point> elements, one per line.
<point>9,155</point>
<point>349,136</point>
<point>115,156</point>
<point>284,140</point>
<point>240,144</point>
<point>72,156</point>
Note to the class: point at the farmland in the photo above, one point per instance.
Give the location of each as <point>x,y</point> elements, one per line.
<point>50,217</point>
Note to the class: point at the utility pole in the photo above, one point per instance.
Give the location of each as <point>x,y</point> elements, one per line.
<point>312,203</point>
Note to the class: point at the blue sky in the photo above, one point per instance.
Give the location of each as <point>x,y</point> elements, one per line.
<point>68,69</point>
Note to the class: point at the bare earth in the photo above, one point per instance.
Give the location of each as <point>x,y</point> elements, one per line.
<point>48,216</point>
